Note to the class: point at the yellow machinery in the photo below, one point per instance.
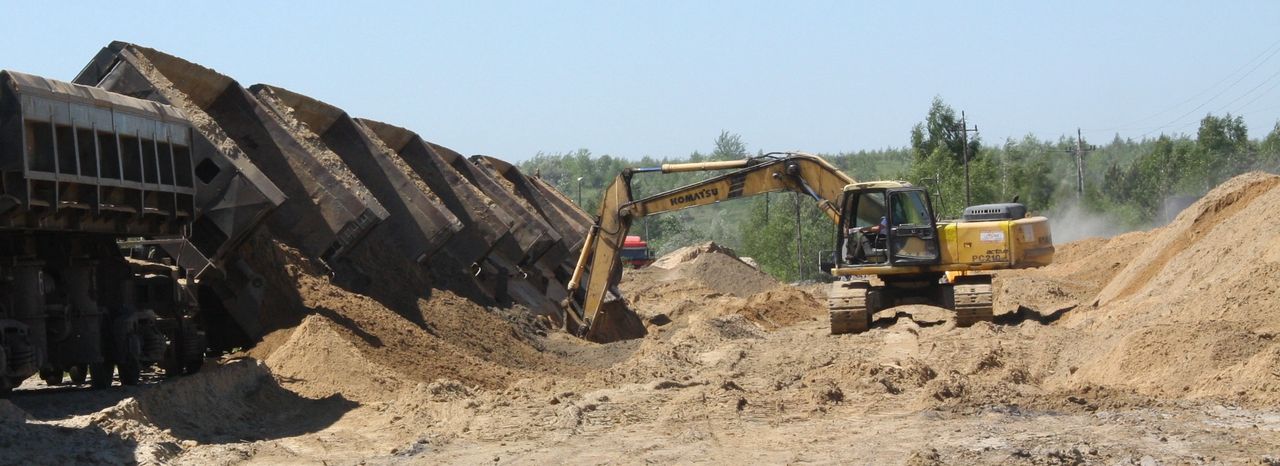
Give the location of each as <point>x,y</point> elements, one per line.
<point>890,248</point>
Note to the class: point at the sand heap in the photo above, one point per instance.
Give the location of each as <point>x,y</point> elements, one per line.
<point>1196,310</point>
<point>689,253</point>
<point>347,338</point>
<point>1079,271</point>
<point>709,265</point>
<point>709,280</point>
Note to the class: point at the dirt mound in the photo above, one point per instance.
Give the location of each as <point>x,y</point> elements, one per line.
<point>708,280</point>
<point>709,265</point>
<point>689,253</point>
<point>1196,312</point>
<point>229,403</point>
<point>727,274</point>
<point>389,339</point>
<point>782,307</point>
<point>444,336</point>
<point>506,337</point>
<point>1094,262</point>
<point>318,361</point>
<point>1236,213</point>
<point>1080,270</point>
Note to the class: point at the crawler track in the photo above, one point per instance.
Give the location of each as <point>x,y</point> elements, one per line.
<point>973,303</point>
<point>847,305</point>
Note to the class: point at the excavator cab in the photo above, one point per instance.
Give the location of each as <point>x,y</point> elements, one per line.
<point>887,223</point>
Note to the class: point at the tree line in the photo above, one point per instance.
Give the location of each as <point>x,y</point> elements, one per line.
<point>1130,183</point>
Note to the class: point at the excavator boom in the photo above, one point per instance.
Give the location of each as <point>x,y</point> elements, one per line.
<point>597,316</point>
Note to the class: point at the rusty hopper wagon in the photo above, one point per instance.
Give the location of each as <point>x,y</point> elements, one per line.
<point>82,172</point>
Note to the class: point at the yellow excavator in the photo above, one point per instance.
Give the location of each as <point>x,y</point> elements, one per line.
<point>890,248</point>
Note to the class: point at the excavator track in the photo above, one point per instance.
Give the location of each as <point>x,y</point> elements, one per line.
<point>973,303</point>
<point>847,305</point>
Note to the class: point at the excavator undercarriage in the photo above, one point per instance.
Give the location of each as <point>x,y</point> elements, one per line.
<point>853,304</point>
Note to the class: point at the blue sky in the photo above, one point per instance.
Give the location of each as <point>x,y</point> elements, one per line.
<point>662,78</point>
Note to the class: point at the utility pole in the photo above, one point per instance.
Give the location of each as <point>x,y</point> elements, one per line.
<point>1080,152</point>
<point>964,139</point>
<point>1079,163</point>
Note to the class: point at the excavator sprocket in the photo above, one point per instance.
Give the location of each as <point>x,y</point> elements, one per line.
<point>973,303</point>
<point>847,305</point>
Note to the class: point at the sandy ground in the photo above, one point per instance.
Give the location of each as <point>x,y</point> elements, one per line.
<point>1148,348</point>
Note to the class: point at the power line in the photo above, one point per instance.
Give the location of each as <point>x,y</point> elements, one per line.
<point>1255,98</point>
<point>1219,94</point>
<point>1251,91</point>
<point>1266,51</point>
<point>1260,110</point>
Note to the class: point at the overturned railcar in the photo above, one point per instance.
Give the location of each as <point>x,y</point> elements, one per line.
<point>83,171</point>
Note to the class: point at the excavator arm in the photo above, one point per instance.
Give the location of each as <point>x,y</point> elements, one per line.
<point>595,315</point>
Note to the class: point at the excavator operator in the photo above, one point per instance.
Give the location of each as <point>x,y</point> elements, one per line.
<point>866,242</point>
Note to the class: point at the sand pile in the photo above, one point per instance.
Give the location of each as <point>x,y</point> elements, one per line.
<point>353,344</point>
<point>1079,271</point>
<point>711,266</point>
<point>318,361</point>
<point>506,337</point>
<point>228,403</point>
<point>1220,235</point>
<point>1196,312</point>
<point>781,307</point>
<point>389,339</point>
<point>708,280</point>
<point>727,274</point>
<point>689,253</point>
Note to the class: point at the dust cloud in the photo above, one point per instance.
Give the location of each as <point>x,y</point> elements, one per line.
<point>1074,221</point>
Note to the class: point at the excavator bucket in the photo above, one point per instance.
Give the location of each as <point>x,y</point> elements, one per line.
<point>615,322</point>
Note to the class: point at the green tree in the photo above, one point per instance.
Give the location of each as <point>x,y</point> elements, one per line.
<point>1223,148</point>
<point>1024,171</point>
<point>729,146</point>
<point>769,236</point>
<point>941,129</point>
<point>1269,149</point>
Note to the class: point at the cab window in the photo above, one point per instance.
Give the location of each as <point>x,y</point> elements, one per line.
<point>909,208</point>
<point>869,209</point>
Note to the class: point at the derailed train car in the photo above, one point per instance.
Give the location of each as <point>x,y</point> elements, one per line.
<point>84,172</point>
